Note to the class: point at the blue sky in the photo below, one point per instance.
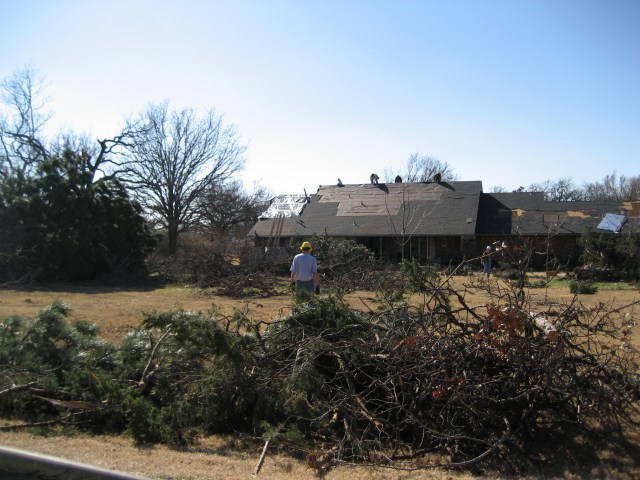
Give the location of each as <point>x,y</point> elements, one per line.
<point>510,92</point>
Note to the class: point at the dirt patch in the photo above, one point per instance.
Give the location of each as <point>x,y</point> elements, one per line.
<point>214,458</point>
<point>119,310</point>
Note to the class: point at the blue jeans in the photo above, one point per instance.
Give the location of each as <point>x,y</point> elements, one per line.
<point>305,285</point>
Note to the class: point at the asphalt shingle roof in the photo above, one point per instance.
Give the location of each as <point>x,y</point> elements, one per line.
<point>438,209</point>
<point>529,214</point>
<point>420,208</point>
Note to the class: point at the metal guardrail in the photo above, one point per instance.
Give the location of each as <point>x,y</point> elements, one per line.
<point>22,465</point>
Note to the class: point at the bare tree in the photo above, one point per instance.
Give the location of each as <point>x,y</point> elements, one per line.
<point>423,168</point>
<point>23,146</point>
<point>21,122</point>
<point>614,188</point>
<point>174,157</point>
<point>562,190</point>
<point>419,168</point>
<point>223,208</point>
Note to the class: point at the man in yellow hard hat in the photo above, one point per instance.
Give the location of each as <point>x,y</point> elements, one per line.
<point>304,270</point>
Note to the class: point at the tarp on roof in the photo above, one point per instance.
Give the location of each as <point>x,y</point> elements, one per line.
<point>612,222</point>
<point>285,206</point>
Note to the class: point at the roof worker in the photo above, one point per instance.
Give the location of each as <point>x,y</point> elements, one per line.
<point>340,184</point>
<point>304,270</point>
<point>398,179</point>
<point>374,178</point>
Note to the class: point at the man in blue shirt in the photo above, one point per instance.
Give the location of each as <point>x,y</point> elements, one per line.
<point>304,270</point>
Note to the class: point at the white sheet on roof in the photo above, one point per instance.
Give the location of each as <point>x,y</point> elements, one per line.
<point>612,222</point>
<point>286,206</point>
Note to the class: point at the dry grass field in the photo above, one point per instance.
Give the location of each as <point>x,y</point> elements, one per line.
<point>118,310</point>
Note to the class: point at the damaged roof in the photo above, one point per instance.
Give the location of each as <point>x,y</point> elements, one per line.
<point>432,209</point>
<point>527,213</point>
<point>386,209</point>
<point>285,206</point>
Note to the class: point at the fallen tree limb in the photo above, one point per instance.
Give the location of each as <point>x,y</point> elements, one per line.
<point>17,388</point>
<point>256,471</point>
<point>144,378</point>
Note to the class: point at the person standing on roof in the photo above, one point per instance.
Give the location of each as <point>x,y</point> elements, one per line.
<point>304,270</point>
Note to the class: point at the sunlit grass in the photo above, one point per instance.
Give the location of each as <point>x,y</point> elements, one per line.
<point>610,286</point>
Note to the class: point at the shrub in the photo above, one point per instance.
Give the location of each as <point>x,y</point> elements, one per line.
<point>345,264</point>
<point>585,287</point>
<point>619,254</point>
<point>191,377</point>
<point>49,364</point>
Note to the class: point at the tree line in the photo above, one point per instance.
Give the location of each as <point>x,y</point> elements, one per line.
<point>420,167</point>
<point>612,188</point>
<point>75,208</point>
<point>72,208</point>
